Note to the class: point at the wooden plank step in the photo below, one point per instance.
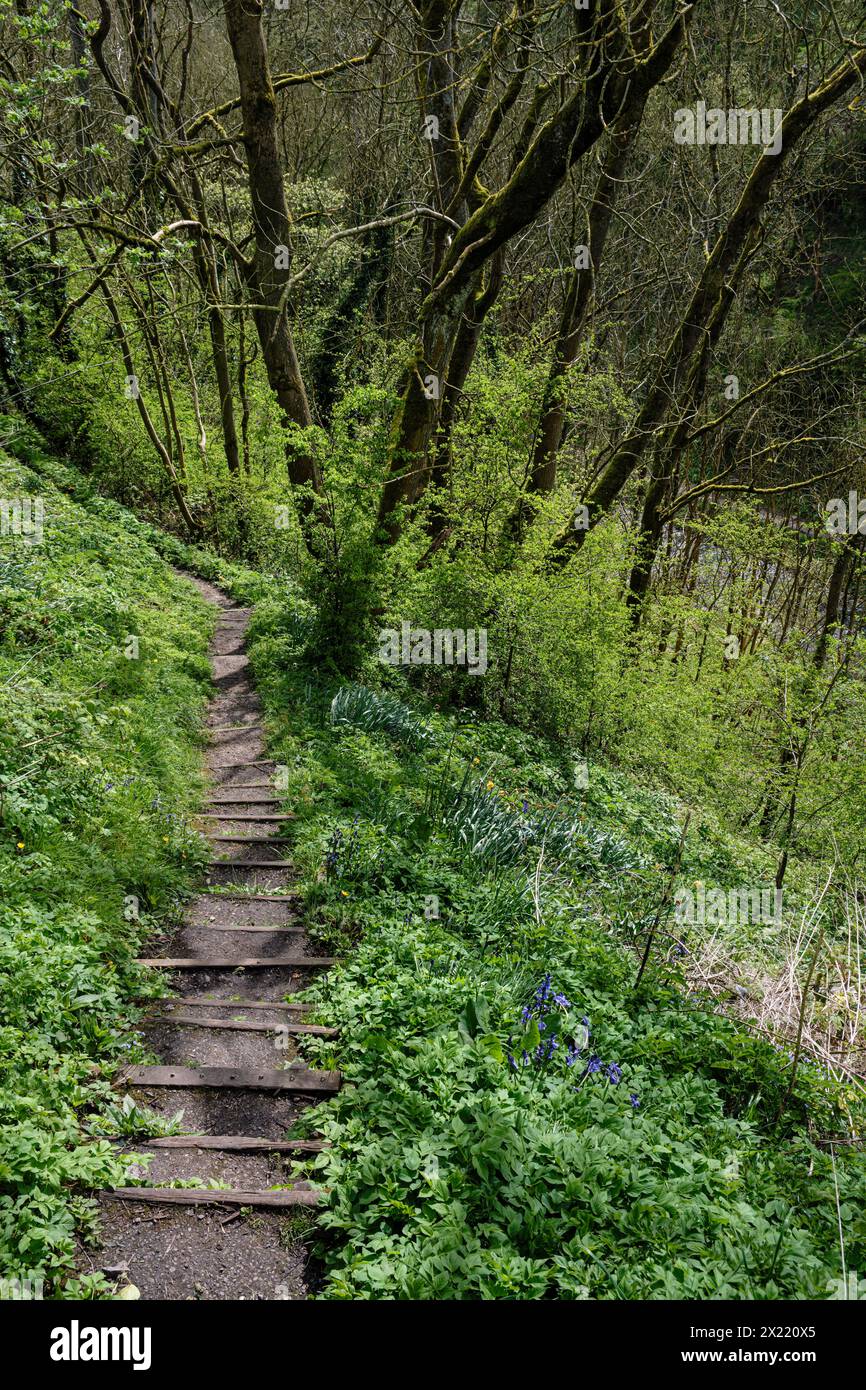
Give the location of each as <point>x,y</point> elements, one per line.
<point>213,926</point>
<point>221,788</point>
<point>250,864</point>
<point>249,839</point>
<point>244,786</point>
<point>191,1196</point>
<point>315,1030</point>
<point>226,963</point>
<point>231,1078</point>
<point>242,800</point>
<point>234,1143</point>
<point>239,1006</point>
<point>254,897</point>
<point>230,728</point>
<point>221,815</point>
<point>256,762</point>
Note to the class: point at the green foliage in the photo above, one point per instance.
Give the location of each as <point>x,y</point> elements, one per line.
<point>650,1165</point>
<point>99,771</point>
<point>376,713</point>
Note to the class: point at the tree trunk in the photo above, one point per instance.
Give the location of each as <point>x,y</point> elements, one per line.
<point>648,543</point>
<point>269,268</point>
<point>459,367</point>
<point>831,608</point>
<point>579,298</point>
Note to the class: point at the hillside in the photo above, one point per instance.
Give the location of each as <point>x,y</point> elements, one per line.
<point>432,670</point>
<point>519,1118</point>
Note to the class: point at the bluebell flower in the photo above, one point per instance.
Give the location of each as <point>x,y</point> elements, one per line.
<point>614,1074</point>
<point>594,1064</point>
<point>543,990</point>
<point>633,1101</point>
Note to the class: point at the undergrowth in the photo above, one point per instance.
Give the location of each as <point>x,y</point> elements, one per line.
<point>99,769</point>
<point>517,1120</point>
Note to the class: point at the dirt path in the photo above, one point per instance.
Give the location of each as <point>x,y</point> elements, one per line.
<point>228,1045</point>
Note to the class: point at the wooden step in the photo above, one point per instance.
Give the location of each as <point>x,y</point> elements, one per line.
<point>248,839</point>
<point>226,963</point>
<point>220,790</point>
<point>244,786</point>
<point>192,1196</point>
<point>294,1079</point>
<point>232,728</point>
<point>315,1030</point>
<point>250,864</point>
<point>254,897</point>
<point>213,926</point>
<point>242,800</point>
<point>256,762</point>
<point>234,1143</point>
<point>221,815</point>
<point>239,1006</point>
